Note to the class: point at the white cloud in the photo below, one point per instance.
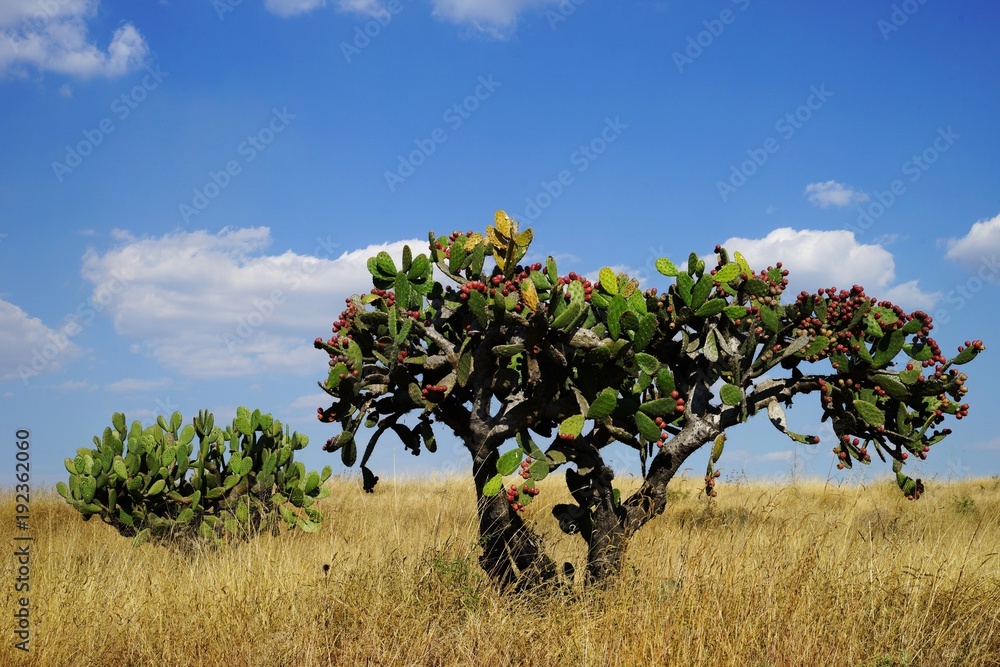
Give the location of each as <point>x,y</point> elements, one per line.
<point>134,385</point>
<point>832,193</point>
<point>29,348</point>
<point>978,250</point>
<point>216,305</point>
<point>303,409</point>
<point>293,7</point>
<point>818,259</point>
<point>910,296</point>
<point>288,8</point>
<point>53,36</point>
<point>493,17</point>
<point>775,457</point>
<point>75,386</point>
<point>886,239</point>
<point>309,401</point>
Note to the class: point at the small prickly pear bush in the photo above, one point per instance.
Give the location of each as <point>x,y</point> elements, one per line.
<point>514,351</point>
<point>159,483</point>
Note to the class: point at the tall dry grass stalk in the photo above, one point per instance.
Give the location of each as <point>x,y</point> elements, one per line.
<point>767,574</point>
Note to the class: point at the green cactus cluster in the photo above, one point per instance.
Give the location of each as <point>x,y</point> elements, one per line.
<point>512,350</point>
<point>176,485</point>
<point>625,361</point>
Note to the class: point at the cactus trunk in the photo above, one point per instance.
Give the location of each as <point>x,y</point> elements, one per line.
<point>511,554</point>
<point>606,547</point>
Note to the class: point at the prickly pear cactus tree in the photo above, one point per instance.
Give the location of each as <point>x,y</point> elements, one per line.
<point>534,371</point>
<point>160,483</point>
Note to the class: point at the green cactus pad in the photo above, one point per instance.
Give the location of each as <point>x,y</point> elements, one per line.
<point>919,351</point>
<point>603,405</point>
<point>727,273</point>
<point>666,267</point>
<point>647,427</point>
<point>869,412</point>
<point>647,363</point>
<point>508,462</point>
<point>571,427</point>
<point>661,407</point>
<point>711,307</point>
<point>311,482</point>
<point>493,486</point>
<point>700,292</point>
<point>965,356</point>
<point>717,446</point>
<point>731,394</point>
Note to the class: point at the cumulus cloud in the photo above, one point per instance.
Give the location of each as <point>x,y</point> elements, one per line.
<point>775,457</point>
<point>293,7</point>
<point>135,385</point>
<point>979,248</point>
<point>53,36</point>
<point>818,259</point>
<point>493,17</point>
<point>832,193</point>
<point>288,8</point>
<point>29,348</point>
<point>231,309</point>
<point>75,386</point>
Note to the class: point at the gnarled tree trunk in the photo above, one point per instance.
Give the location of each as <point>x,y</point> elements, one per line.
<point>612,527</point>
<point>512,556</point>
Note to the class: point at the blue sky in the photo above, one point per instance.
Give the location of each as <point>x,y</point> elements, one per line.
<point>190,189</point>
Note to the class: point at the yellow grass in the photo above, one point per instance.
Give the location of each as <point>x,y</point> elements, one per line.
<point>767,574</point>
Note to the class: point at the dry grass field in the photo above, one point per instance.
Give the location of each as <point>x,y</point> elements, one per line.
<point>767,574</point>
